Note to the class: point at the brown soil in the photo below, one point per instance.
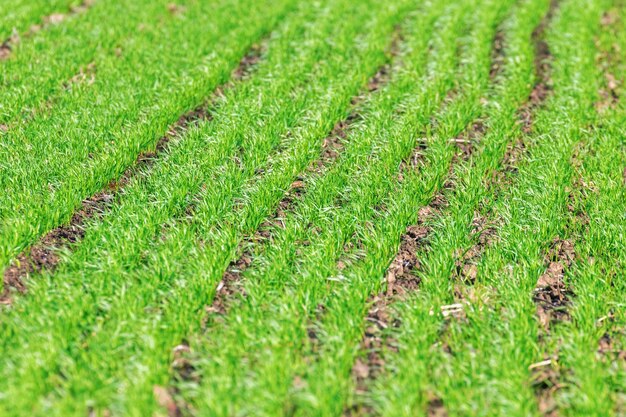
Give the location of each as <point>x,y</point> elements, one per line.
<point>552,298</point>
<point>513,155</point>
<point>378,319</point>
<point>230,285</point>
<point>165,399</point>
<point>546,377</point>
<point>249,62</point>
<point>383,75</point>
<point>379,79</point>
<point>5,47</point>
<point>175,9</point>
<point>43,255</point>
<point>466,270</point>
<point>611,345</point>
<point>401,276</point>
<point>401,280</point>
<point>181,370</point>
<point>333,144</point>
<point>436,408</point>
<point>467,140</point>
<point>368,368</point>
<point>551,294</point>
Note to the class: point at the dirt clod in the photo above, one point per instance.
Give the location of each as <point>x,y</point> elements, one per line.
<point>551,294</point>
<point>230,285</point>
<point>546,379</point>
<point>400,275</point>
<point>175,9</point>
<point>249,62</point>
<point>610,346</point>
<point>436,408</point>
<point>378,319</point>
<point>5,51</point>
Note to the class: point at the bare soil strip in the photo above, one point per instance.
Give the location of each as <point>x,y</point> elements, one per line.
<point>401,277</point>
<point>552,297</point>
<point>539,94</point>
<point>43,256</point>
<point>230,285</point>
<point>498,56</point>
<point>551,294</point>
<point>482,224</point>
<point>6,47</point>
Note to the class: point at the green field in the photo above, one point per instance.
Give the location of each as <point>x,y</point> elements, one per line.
<point>313,208</point>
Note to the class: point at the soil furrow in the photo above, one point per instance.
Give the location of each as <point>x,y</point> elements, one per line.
<point>465,268</point>
<point>539,94</point>
<point>482,230</point>
<point>553,296</point>
<point>609,60</point>
<point>401,277</point>
<point>230,285</point>
<point>483,223</point>
<point>8,45</point>
<point>498,56</point>
<point>44,255</point>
